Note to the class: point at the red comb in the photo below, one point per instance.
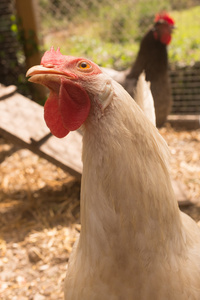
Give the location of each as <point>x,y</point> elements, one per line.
<point>163,16</point>
<point>52,57</point>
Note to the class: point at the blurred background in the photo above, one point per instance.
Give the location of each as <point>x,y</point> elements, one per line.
<point>108,32</point>
<point>39,201</point>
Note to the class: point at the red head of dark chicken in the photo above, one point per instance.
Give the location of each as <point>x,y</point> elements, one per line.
<point>163,27</point>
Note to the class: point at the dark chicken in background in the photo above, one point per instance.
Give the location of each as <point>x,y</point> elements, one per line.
<point>152,59</point>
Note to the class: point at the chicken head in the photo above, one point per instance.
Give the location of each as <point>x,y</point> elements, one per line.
<point>163,28</point>
<point>68,104</point>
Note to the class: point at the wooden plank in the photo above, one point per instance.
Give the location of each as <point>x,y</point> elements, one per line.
<point>21,121</point>
<point>67,151</point>
<point>184,122</point>
<point>26,11</point>
<point>23,118</point>
<point>5,91</point>
<point>29,24</point>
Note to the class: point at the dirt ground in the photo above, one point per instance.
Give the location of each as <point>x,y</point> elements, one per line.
<point>39,215</point>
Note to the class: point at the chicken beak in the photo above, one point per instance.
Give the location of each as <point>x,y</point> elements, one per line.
<point>39,69</point>
<point>35,73</point>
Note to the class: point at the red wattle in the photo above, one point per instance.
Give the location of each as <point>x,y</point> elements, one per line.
<point>165,39</point>
<point>53,118</point>
<point>74,104</point>
<point>68,110</point>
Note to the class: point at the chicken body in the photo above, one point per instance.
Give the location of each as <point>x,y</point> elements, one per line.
<point>152,59</point>
<point>134,241</point>
<point>133,244</point>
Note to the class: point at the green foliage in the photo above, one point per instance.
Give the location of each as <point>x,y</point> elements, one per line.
<point>146,12</point>
<point>93,47</point>
<point>184,48</point>
<point>110,33</point>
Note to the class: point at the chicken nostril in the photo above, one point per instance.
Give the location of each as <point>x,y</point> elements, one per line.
<point>50,66</point>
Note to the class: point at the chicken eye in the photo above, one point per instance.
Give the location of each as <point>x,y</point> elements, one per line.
<point>84,66</point>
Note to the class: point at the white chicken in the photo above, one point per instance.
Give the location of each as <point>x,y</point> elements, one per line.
<point>134,241</point>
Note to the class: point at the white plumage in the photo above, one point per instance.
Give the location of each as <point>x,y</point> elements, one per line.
<point>144,98</point>
<point>134,244</point>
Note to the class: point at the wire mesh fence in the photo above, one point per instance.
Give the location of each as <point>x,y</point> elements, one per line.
<point>186,90</point>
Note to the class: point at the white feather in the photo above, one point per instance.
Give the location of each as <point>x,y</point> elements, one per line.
<point>134,242</point>
<point>144,98</point>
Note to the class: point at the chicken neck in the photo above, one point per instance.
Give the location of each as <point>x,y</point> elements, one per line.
<point>126,188</point>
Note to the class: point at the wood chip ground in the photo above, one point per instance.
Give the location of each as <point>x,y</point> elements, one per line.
<point>39,215</point>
